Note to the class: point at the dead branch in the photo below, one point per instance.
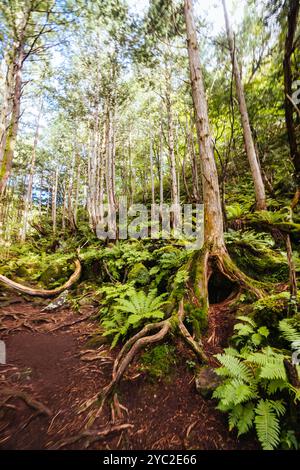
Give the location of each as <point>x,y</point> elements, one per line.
<point>44,292</point>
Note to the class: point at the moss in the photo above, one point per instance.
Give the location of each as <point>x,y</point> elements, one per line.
<point>55,274</point>
<point>96,340</point>
<point>271,309</point>
<point>197,317</point>
<point>139,274</point>
<point>159,361</point>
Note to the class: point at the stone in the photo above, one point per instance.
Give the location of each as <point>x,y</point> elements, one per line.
<point>207,381</point>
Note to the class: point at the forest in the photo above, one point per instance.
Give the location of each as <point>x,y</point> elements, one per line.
<point>150,225</point>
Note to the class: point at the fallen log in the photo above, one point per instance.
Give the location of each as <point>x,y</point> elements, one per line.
<point>45,292</point>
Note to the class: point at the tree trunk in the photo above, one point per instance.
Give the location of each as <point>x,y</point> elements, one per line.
<point>248,138</point>
<point>174,187</point>
<point>211,194</point>
<point>10,136</point>
<point>292,19</point>
<point>161,172</point>
<point>213,256</point>
<point>54,201</point>
<point>28,197</point>
<point>151,171</point>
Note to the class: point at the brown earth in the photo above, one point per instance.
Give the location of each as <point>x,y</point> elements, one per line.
<point>55,369</point>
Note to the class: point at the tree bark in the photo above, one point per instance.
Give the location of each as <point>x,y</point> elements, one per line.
<point>28,197</point>
<point>248,138</point>
<point>292,20</point>
<point>174,187</point>
<point>54,201</point>
<point>213,220</point>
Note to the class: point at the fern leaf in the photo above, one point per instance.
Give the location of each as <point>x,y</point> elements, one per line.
<point>267,425</point>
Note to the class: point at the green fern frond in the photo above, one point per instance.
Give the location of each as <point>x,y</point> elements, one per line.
<point>242,417</point>
<point>235,368</point>
<point>267,425</point>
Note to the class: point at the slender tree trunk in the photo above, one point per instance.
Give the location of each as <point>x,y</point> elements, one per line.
<point>248,138</point>
<point>211,194</point>
<point>110,167</point>
<point>54,201</point>
<point>151,171</point>
<point>174,187</point>
<point>28,197</point>
<point>10,137</point>
<point>161,171</point>
<point>292,22</point>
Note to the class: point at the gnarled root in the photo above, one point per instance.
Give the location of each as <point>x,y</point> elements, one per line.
<point>130,350</point>
<point>228,268</point>
<point>36,405</point>
<point>45,292</point>
<point>90,436</point>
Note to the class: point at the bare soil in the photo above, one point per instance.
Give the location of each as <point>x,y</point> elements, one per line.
<point>55,369</point>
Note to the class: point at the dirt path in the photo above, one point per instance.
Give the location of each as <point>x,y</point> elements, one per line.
<point>49,368</point>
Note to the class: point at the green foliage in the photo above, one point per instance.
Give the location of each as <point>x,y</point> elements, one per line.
<point>290,330</point>
<point>47,270</point>
<point>271,309</point>
<point>159,361</point>
<point>255,391</point>
<point>254,254</point>
<point>130,310</point>
<point>139,274</point>
<point>248,334</point>
<point>235,211</point>
<point>249,239</point>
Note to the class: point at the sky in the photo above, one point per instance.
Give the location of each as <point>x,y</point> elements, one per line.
<point>210,9</point>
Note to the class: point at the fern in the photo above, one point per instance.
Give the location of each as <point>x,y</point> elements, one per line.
<point>242,417</point>
<point>250,380</point>
<point>290,333</point>
<point>129,312</point>
<point>233,367</point>
<point>267,424</point>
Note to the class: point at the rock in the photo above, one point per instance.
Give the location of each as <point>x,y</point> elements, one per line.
<point>60,301</point>
<point>207,381</point>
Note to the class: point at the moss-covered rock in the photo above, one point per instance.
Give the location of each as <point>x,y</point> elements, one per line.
<point>159,361</point>
<point>55,274</point>
<point>271,309</point>
<point>139,274</point>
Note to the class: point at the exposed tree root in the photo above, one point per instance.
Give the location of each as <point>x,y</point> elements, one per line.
<point>201,267</point>
<point>296,199</point>
<point>70,323</point>
<point>228,268</point>
<point>196,346</point>
<point>131,348</point>
<point>44,292</point>
<point>37,405</point>
<point>92,436</point>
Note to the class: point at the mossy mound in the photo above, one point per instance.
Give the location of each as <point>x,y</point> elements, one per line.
<point>55,274</point>
<point>139,274</point>
<point>159,361</point>
<point>271,309</point>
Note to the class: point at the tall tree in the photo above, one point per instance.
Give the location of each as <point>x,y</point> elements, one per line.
<point>259,188</point>
<point>214,255</point>
<point>289,48</point>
